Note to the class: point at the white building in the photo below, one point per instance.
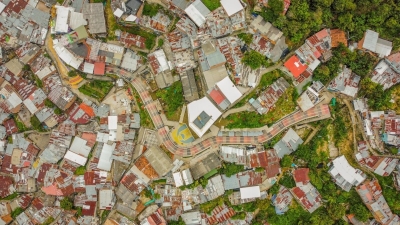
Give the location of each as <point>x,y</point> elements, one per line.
<point>345,175</point>
<point>197,11</point>
<point>250,192</point>
<point>232,6</point>
<point>202,115</point>
<point>105,160</point>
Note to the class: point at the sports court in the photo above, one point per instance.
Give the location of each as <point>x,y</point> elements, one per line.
<point>182,135</point>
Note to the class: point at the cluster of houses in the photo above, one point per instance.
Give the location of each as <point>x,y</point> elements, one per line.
<point>380,127</point>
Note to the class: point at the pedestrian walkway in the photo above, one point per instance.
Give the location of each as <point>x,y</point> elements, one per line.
<point>182,114</point>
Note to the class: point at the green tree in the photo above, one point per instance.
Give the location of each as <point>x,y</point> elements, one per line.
<point>58,111</point>
<point>66,203</point>
<point>80,170</point>
<point>150,9</point>
<point>336,211</point>
<point>72,73</point>
<point>16,212</point>
<point>254,60</point>
<point>360,211</point>
<point>287,181</point>
<point>160,42</point>
<point>230,169</point>
<point>273,11</point>
<point>246,37</point>
<point>48,103</point>
<point>287,161</point>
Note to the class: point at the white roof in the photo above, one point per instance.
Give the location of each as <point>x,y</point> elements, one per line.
<point>383,47</point>
<point>197,12</point>
<point>229,90</point>
<point>250,192</point>
<point>231,6</point>
<point>62,19</point>
<point>72,156</point>
<point>105,160</point>
<point>105,197</point>
<point>102,137</point>
<point>162,60</point>
<point>381,67</point>
<point>371,37</point>
<point>67,56</point>
<point>2,7</point>
<point>197,107</point>
<point>88,67</point>
<point>76,20</point>
<point>118,12</point>
<point>79,147</point>
<point>178,179</point>
<point>14,100</point>
<point>351,175</point>
<point>112,122</point>
<point>131,18</point>
<point>30,105</point>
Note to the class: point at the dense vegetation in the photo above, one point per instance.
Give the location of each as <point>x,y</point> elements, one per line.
<point>172,97</point>
<point>16,212</point>
<point>212,4</point>
<point>150,9</point>
<point>360,63</point>
<point>255,60</point>
<point>305,17</point>
<point>97,89</point>
<point>246,37</point>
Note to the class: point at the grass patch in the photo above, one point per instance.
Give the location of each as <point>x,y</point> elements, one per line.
<point>111,21</point>
<point>151,9</point>
<point>145,119</point>
<point>97,89</point>
<point>80,170</point>
<point>160,42</point>
<point>172,97</point>
<point>284,106</point>
<point>212,4</point>
<point>209,206</point>
<point>246,37</point>
<point>174,22</point>
<point>211,173</point>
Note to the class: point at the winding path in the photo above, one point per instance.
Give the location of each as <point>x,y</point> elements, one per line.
<point>320,111</point>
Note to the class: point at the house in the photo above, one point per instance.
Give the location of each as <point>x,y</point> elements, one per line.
<point>161,68</point>
<point>183,178</point>
<point>220,214</point>
<point>105,160</point>
<point>288,144</point>
<point>106,199</point>
<point>233,155</point>
<point>94,13</point>
<point>250,192</point>
<point>387,72</point>
<point>197,11</point>
<point>6,186</point>
<point>344,175</point>
<point>189,86</point>
<point>267,39</point>
<point>267,99</point>
<point>282,200</point>
<point>372,42</point>
<point>346,83</point>
<point>62,97</point>
<point>159,160</point>
<point>129,40</point>
<point>371,194</point>
<point>159,23</point>
<point>304,192</point>
<point>210,162</point>
<point>383,166</point>
<point>310,97</point>
<point>184,60</point>
<point>131,61</point>
<point>178,41</point>
<point>202,114</point>
<point>192,218</point>
<point>230,47</point>
<point>232,7</point>
<point>225,93</point>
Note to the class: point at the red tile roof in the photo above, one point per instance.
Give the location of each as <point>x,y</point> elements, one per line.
<point>11,126</point>
<point>217,96</point>
<point>99,68</point>
<point>5,184</point>
<point>295,66</point>
<point>87,109</point>
<point>89,208</point>
<point>301,175</point>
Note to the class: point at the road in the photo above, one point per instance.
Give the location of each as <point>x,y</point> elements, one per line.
<point>320,111</point>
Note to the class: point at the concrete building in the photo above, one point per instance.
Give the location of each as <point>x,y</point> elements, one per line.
<point>344,175</point>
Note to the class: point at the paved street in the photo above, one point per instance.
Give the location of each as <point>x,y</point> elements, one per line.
<point>320,111</point>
